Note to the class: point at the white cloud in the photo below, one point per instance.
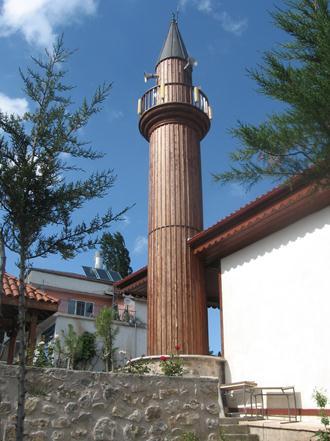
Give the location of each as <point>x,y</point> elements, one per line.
<point>205,6</point>
<point>140,245</point>
<point>237,190</point>
<point>37,19</point>
<point>228,23</point>
<point>126,220</point>
<point>13,105</point>
<point>116,114</point>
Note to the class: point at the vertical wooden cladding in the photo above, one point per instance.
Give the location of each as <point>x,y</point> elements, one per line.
<point>176,295</point>
<point>177,312</point>
<point>172,71</point>
<point>175,188</point>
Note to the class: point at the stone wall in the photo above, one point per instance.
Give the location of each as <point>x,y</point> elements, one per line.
<point>91,406</point>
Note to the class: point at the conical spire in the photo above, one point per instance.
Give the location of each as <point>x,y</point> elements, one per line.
<point>174,46</point>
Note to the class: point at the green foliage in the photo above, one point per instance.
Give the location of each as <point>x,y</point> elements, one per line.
<point>322,400</point>
<point>139,367</point>
<point>34,193</point>
<point>295,140</point>
<point>115,254</point>
<point>77,350</point>
<point>43,355</point>
<point>71,347</point>
<point>86,350</point>
<point>37,198</point>
<point>106,330</point>
<point>172,365</point>
<point>38,201</point>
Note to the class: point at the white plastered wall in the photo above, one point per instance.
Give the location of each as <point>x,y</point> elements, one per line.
<point>276,307</point>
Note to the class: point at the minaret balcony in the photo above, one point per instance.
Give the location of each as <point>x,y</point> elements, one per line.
<point>170,100</point>
<point>174,93</point>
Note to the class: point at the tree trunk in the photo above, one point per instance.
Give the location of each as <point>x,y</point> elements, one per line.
<point>22,348</point>
<point>2,270</point>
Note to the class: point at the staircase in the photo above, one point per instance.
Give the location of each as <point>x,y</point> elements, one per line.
<point>230,430</point>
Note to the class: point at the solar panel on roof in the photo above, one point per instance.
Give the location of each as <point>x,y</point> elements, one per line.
<point>103,275</point>
<point>89,272</point>
<point>115,276</point>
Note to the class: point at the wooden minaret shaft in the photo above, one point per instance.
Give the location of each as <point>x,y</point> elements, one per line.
<point>177,312</point>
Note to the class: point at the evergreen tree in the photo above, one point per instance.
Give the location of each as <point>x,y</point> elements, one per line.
<point>115,254</point>
<point>297,73</point>
<point>37,199</point>
<point>106,330</point>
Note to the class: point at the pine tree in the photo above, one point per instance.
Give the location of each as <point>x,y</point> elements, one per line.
<point>37,199</point>
<point>115,254</point>
<point>297,73</point>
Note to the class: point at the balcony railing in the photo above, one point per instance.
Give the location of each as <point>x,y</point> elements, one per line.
<point>174,93</point>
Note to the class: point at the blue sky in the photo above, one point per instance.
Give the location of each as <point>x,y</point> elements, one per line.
<point>117,40</point>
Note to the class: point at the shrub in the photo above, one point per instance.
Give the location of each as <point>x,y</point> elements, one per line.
<point>321,401</point>
<point>172,365</point>
<point>139,367</point>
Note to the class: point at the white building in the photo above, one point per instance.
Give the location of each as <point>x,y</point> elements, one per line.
<point>267,270</point>
<point>80,300</point>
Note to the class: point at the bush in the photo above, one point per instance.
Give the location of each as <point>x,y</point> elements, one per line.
<point>172,365</point>
<point>139,367</point>
<point>322,400</point>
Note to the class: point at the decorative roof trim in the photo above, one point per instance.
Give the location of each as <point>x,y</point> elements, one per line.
<point>271,212</point>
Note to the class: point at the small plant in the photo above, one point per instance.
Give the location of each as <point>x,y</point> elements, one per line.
<point>107,331</point>
<point>189,436</point>
<point>71,347</point>
<point>139,367</point>
<point>43,355</point>
<point>321,401</point>
<point>172,365</point>
<point>222,436</point>
<point>86,349</point>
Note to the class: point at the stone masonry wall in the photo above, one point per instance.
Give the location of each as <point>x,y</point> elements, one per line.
<point>93,406</point>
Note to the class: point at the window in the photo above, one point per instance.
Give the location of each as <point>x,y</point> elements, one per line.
<point>78,307</point>
<point>48,335</point>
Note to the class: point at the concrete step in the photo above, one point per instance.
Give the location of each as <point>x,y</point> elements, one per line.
<point>239,437</point>
<point>228,420</point>
<point>235,429</point>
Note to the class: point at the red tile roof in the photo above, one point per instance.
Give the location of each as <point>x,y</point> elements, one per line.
<point>11,289</point>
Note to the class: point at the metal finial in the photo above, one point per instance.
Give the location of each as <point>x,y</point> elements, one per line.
<point>174,18</point>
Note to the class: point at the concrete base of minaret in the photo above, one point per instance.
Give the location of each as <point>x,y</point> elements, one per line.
<point>193,365</point>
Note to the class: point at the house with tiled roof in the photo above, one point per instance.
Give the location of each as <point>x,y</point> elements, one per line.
<point>80,298</point>
<point>39,307</point>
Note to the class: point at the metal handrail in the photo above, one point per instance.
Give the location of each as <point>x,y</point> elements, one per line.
<point>172,93</point>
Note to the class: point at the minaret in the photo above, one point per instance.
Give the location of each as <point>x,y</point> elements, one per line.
<point>174,117</point>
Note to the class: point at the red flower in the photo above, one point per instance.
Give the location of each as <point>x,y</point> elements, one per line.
<point>178,347</point>
<point>163,358</point>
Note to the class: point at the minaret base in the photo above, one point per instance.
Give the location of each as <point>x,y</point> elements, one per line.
<point>193,365</point>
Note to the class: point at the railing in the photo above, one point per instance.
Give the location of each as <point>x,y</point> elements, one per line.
<point>174,93</point>
<point>122,313</point>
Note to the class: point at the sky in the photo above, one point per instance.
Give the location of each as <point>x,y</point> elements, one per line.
<point>119,40</point>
